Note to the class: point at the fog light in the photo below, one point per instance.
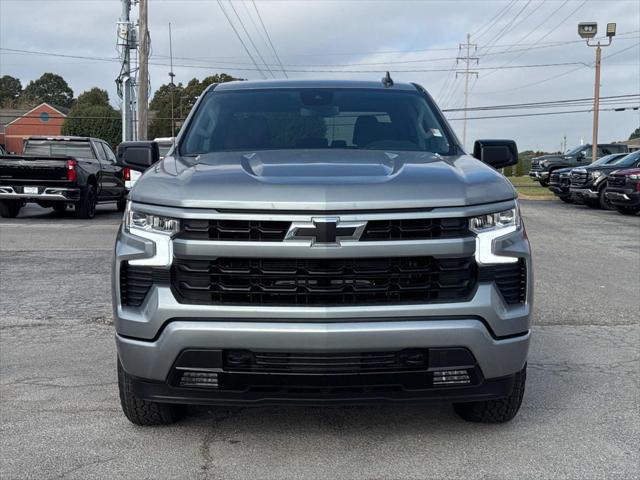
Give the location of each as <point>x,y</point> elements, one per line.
<point>451,377</point>
<point>199,379</point>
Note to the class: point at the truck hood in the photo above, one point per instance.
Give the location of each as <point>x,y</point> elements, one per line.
<point>321,180</point>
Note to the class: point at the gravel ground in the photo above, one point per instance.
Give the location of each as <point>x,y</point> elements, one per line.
<point>60,416</point>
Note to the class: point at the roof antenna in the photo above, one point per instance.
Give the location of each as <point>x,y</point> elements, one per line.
<point>387,81</point>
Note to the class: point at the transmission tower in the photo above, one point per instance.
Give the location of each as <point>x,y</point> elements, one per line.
<point>468,60</point>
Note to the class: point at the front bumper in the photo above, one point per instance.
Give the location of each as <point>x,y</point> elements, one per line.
<point>538,175</point>
<point>151,337</point>
<point>48,194</point>
<point>624,198</point>
<point>560,191</point>
<point>584,194</point>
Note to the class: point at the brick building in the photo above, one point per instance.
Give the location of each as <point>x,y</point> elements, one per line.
<point>16,125</point>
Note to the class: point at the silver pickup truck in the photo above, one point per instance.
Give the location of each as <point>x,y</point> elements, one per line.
<point>321,242</point>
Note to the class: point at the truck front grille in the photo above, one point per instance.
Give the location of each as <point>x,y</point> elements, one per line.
<point>324,362</point>
<point>238,230</point>
<point>415,229</point>
<point>324,282</point>
<point>616,180</point>
<point>275,231</point>
<point>579,179</point>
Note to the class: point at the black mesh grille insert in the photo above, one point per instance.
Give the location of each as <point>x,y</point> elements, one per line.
<point>616,180</point>
<point>415,229</point>
<point>579,179</point>
<point>362,281</point>
<point>510,278</point>
<point>239,230</point>
<point>135,282</point>
<point>320,362</point>
<point>275,231</point>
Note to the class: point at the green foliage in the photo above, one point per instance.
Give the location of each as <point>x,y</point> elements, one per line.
<point>524,161</point>
<point>635,134</point>
<point>184,98</point>
<point>10,91</point>
<point>95,96</point>
<point>49,88</point>
<point>92,116</point>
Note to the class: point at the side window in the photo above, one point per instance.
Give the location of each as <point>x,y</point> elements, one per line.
<point>100,151</point>
<point>109,153</point>
<point>604,151</point>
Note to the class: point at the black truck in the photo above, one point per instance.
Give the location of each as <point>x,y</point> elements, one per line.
<point>56,172</point>
<point>560,179</point>
<point>623,189</point>
<point>589,184</point>
<point>542,167</point>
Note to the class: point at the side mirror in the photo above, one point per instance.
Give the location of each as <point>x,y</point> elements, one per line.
<point>496,153</point>
<point>581,155</point>
<point>138,155</point>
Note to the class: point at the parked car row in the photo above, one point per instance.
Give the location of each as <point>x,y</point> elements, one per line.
<point>611,182</point>
<point>542,167</point>
<point>63,172</point>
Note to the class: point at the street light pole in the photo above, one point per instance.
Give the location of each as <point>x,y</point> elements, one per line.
<point>596,104</point>
<point>588,31</point>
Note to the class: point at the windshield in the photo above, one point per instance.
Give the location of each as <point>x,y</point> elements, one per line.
<point>315,119</point>
<point>609,159</point>
<point>629,160</point>
<point>47,148</point>
<point>575,150</point>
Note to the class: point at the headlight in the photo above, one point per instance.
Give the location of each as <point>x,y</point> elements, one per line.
<point>596,174</point>
<point>140,221</point>
<point>634,176</point>
<point>495,221</point>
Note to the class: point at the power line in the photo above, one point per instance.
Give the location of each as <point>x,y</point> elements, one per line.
<point>246,32</point>
<point>551,103</point>
<point>490,22</point>
<point>266,32</point>
<point>240,39</point>
<point>545,113</point>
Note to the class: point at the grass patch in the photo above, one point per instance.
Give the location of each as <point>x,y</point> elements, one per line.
<point>526,186</point>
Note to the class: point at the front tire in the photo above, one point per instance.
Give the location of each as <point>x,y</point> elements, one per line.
<point>495,411</point>
<point>544,183</point>
<point>605,204</point>
<point>122,204</point>
<point>86,208</point>
<point>566,199</point>
<point>142,412</point>
<point>10,208</point>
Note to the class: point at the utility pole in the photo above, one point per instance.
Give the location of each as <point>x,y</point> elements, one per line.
<point>126,42</point>
<point>143,77</point>
<point>467,59</point>
<point>588,30</point>
<point>173,85</point>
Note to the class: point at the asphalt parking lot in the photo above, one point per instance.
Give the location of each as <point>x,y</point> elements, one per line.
<point>60,413</point>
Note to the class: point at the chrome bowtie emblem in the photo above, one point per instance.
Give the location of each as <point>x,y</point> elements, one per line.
<point>325,231</point>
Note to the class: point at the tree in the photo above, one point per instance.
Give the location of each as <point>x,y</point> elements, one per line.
<point>635,134</point>
<point>49,88</point>
<point>92,116</point>
<point>10,91</point>
<point>95,96</point>
<point>184,98</point>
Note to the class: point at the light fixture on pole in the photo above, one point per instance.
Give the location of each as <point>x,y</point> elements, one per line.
<point>589,30</point>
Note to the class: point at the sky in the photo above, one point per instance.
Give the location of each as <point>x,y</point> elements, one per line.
<point>528,51</point>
